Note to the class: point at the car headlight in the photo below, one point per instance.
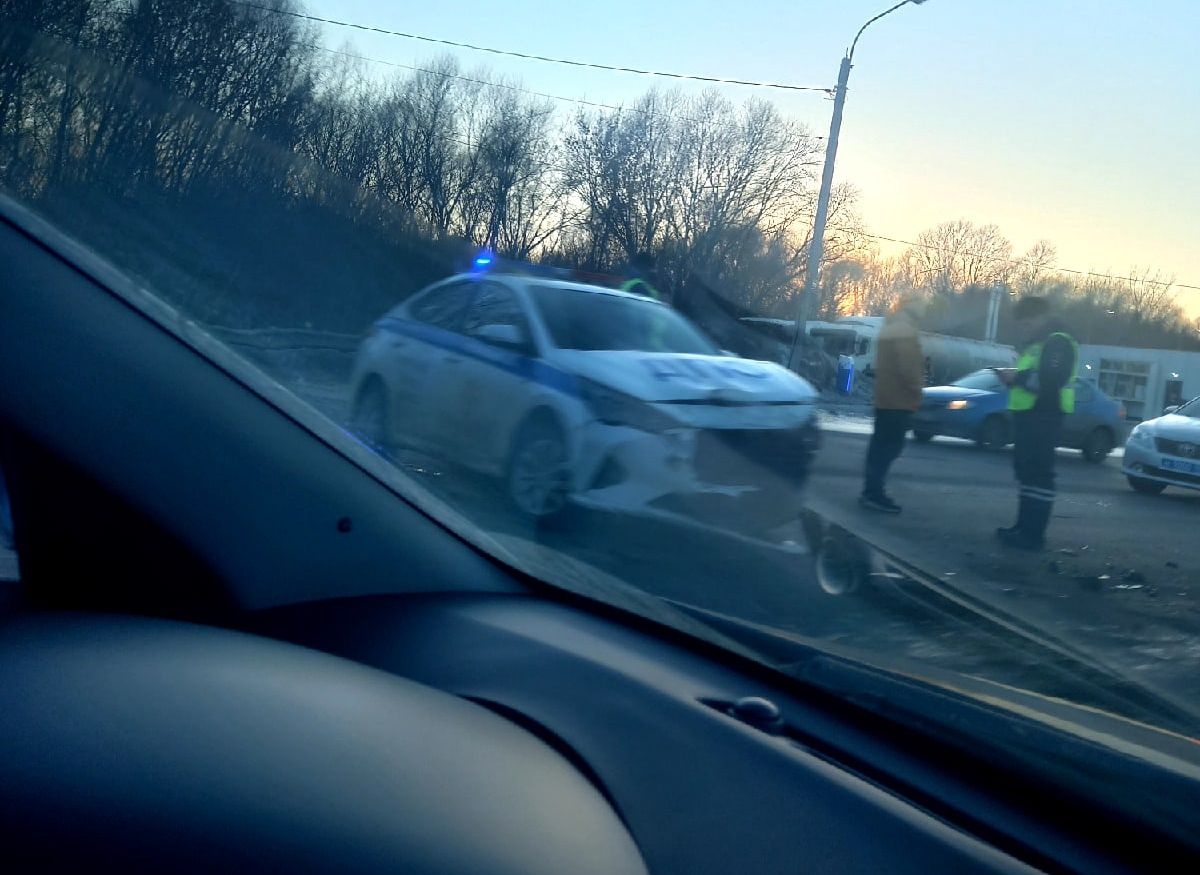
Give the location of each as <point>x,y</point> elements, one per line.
<point>616,408</point>
<point>1141,437</point>
<point>961,404</point>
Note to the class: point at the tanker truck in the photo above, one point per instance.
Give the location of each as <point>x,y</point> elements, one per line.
<point>946,357</point>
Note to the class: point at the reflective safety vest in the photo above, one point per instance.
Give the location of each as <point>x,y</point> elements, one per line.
<point>1020,398</point>
<point>639,286</point>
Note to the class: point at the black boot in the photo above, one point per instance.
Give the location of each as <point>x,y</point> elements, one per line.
<point>1038,520</point>
<point>1030,531</point>
<point>1022,520</point>
<point>1020,539</point>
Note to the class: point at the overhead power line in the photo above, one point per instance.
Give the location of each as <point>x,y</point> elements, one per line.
<point>1108,276</point>
<point>530,57</point>
<point>577,100</point>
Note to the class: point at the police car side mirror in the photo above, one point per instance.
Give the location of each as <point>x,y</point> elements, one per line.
<point>508,336</point>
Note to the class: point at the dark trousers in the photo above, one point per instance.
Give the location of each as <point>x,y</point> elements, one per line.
<point>1035,437</point>
<point>887,441</point>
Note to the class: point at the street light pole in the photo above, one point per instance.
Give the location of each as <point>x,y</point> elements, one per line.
<point>816,248</point>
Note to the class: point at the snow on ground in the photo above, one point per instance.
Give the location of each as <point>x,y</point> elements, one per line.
<point>846,419</point>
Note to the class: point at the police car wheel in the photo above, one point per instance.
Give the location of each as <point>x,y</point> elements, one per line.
<point>1146,487</point>
<point>538,478</point>
<point>370,417</point>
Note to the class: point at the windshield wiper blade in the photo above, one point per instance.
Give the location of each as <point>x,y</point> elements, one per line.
<point>1078,684</point>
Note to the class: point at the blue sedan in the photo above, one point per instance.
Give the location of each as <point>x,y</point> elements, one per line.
<point>976,408</point>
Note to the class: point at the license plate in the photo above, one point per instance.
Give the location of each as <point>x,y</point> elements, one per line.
<point>1177,465</point>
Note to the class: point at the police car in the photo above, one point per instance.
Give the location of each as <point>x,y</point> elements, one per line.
<point>573,392</point>
<point>1165,451</point>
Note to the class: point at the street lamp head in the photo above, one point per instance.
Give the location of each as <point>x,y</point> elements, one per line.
<point>850,53</point>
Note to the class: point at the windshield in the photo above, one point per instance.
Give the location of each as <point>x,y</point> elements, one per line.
<point>1192,409</point>
<point>286,180</point>
<point>980,380</point>
<point>586,320</point>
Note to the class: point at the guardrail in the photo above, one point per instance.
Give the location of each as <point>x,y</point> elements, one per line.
<point>295,353</point>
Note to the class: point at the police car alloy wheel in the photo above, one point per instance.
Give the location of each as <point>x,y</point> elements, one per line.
<point>538,477</point>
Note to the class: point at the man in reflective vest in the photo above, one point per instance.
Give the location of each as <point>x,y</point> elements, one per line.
<point>641,271</point>
<point>1041,393</point>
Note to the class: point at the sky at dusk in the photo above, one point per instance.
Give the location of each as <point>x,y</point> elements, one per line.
<point>1072,121</point>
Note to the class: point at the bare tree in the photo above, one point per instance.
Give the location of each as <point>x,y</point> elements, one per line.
<point>722,193</point>
<point>1148,295</point>
<point>954,255</point>
<point>622,170</point>
<point>875,287</point>
<point>1034,269</point>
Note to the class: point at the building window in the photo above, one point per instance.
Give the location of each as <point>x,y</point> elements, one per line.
<point>1127,382</point>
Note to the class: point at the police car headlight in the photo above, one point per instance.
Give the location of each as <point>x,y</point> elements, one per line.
<point>616,408</point>
<point>961,404</point>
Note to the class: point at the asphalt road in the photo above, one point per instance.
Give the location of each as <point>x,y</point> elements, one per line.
<point>1120,578</point>
<point>954,496</point>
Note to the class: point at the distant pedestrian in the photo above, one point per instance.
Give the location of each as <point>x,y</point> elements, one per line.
<point>642,277</point>
<point>1041,393</point>
<point>899,377</point>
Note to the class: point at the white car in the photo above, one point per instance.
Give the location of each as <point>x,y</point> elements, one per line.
<point>578,393</point>
<point>1165,451</point>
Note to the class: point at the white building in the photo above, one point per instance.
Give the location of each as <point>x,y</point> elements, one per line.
<point>1144,380</point>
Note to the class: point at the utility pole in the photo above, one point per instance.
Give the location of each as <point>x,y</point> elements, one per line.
<point>816,247</point>
<point>993,317</point>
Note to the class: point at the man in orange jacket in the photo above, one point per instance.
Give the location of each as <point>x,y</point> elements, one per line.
<point>899,377</point>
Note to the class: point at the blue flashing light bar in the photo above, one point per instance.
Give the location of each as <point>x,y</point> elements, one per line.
<point>488,262</point>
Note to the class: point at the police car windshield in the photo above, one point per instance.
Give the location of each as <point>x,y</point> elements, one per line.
<point>578,319</point>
